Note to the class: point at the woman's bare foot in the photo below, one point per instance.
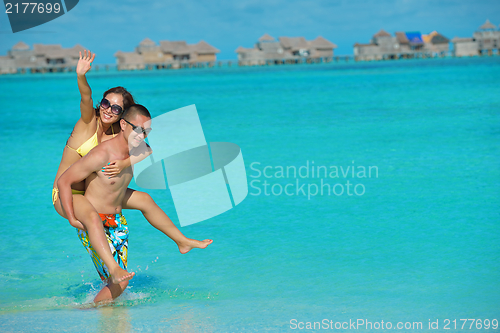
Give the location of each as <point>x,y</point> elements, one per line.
<point>188,244</point>
<point>120,275</point>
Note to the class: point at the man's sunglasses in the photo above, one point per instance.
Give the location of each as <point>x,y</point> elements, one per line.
<point>138,129</point>
<point>116,109</point>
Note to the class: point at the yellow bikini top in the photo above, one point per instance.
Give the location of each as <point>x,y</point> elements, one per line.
<point>90,143</point>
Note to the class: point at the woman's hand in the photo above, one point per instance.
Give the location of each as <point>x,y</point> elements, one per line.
<point>77,224</point>
<point>85,62</point>
<point>114,168</point>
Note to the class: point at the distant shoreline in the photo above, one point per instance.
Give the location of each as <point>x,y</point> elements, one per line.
<point>112,68</point>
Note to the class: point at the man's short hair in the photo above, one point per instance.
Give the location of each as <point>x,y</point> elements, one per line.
<point>134,110</point>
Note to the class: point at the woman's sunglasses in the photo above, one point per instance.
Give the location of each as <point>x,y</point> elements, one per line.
<point>138,129</point>
<point>116,109</point>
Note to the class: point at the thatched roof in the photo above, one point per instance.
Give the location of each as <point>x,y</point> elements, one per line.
<point>204,48</point>
<point>322,43</point>
<point>401,38</point>
<point>57,51</point>
<point>382,33</point>
<point>244,50</point>
<point>365,45</point>
<point>266,37</point>
<point>175,47</point>
<point>129,57</point>
<point>437,38</point>
<point>461,39</point>
<point>487,25</point>
<point>51,51</point>
<point>77,48</point>
<point>147,42</point>
<point>21,46</point>
<point>293,43</point>
<point>42,49</point>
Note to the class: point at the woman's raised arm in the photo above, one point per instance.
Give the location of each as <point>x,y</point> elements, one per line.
<point>83,66</point>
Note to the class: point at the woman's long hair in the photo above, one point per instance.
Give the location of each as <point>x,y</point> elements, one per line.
<point>128,99</point>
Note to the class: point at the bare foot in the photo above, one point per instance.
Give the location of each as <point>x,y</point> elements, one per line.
<point>120,275</point>
<point>188,244</point>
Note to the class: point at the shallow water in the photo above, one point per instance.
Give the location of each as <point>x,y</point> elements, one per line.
<point>420,243</point>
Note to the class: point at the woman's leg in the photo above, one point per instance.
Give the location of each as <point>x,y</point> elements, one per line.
<point>158,219</point>
<point>92,223</point>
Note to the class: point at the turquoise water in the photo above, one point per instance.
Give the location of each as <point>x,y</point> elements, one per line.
<point>416,240</point>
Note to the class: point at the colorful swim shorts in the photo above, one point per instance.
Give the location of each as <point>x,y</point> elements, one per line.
<point>116,230</point>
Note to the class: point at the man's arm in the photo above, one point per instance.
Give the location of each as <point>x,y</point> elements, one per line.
<point>77,172</point>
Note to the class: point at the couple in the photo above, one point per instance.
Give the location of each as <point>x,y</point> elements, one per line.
<point>90,188</point>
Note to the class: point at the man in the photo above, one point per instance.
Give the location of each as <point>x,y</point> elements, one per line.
<point>107,194</point>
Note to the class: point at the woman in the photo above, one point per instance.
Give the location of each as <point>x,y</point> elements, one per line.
<point>95,126</point>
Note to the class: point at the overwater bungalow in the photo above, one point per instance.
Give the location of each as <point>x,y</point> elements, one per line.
<point>485,41</point>
<point>129,61</point>
<point>436,43</point>
<point>268,50</point>
<point>384,46</point>
<point>42,58</point>
<point>167,54</point>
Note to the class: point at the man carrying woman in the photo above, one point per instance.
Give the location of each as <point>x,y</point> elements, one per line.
<point>97,125</point>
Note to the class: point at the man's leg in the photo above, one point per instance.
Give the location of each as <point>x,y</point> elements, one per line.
<point>116,231</point>
<point>158,219</point>
<point>110,292</point>
<point>86,214</point>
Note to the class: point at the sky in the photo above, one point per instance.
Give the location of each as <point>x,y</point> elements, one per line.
<point>107,26</point>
